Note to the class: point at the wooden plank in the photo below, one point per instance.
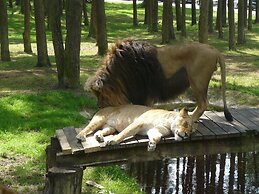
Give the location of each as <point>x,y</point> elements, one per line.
<point>239,126</point>
<point>209,123</point>
<point>242,119</point>
<point>71,133</point>
<point>227,127</point>
<point>206,133</point>
<point>250,116</point>
<point>254,111</point>
<point>66,149</point>
<point>196,135</point>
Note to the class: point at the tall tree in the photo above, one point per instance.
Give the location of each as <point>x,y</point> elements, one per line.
<point>135,13</point>
<point>73,40</point>
<point>152,18</point>
<point>257,12</point>
<point>194,21</point>
<point>101,27</point>
<point>42,50</point>
<point>4,41</point>
<point>178,15</point>
<point>210,16</point>
<point>231,22</point>
<point>86,21</point>
<point>27,29</point>
<point>249,27</point>
<point>203,22</point>
<point>167,22</point>
<point>183,30</point>
<point>241,23</point>
<point>55,7</point>
<point>220,30</point>
<point>245,13</point>
<point>93,23</point>
<point>224,12</point>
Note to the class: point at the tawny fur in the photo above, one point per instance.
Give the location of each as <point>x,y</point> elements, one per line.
<point>140,73</point>
<point>130,120</point>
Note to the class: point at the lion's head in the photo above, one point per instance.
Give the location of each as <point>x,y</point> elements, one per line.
<point>183,125</point>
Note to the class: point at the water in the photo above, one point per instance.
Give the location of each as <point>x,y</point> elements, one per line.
<point>236,173</point>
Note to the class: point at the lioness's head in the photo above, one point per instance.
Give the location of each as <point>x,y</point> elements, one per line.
<point>183,125</point>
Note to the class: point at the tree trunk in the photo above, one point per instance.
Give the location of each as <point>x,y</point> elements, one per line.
<point>249,27</point>
<point>220,36</point>
<point>224,13</point>
<point>135,13</point>
<point>4,41</point>
<point>42,50</point>
<point>245,13</point>
<point>178,15</point>
<point>152,6</point>
<point>210,16</point>
<point>257,12</point>
<point>55,26</point>
<point>101,28</point>
<point>183,30</point>
<point>203,22</point>
<point>10,4</point>
<point>231,22</point>
<point>86,21</point>
<point>167,22</point>
<point>194,20</point>
<point>73,40</point>
<point>92,28</point>
<point>241,25</point>
<point>26,33</point>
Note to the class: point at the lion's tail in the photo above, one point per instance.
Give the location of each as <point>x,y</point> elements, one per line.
<point>221,62</point>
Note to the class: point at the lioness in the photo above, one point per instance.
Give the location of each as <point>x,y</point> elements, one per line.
<point>140,73</point>
<point>136,119</point>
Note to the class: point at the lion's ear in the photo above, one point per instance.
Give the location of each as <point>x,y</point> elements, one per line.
<point>184,112</point>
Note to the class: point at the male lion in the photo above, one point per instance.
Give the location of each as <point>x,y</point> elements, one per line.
<point>136,119</point>
<point>140,73</point>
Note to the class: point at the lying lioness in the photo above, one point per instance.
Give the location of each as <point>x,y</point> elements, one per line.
<point>136,119</point>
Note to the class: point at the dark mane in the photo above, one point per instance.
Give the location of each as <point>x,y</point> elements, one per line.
<point>133,68</point>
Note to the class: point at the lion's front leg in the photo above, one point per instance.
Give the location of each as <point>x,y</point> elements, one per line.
<point>131,130</point>
<point>107,130</point>
<point>154,137</point>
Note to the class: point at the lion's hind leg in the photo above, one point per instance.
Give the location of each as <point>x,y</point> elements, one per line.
<point>107,130</point>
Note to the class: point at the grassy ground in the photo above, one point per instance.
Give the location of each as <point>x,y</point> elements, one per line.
<point>31,109</point>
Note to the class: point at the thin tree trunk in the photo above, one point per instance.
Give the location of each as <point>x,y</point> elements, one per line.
<point>4,41</point>
<point>257,12</point>
<point>55,26</point>
<point>203,22</point>
<point>86,21</point>
<point>92,28</point>
<point>101,28</point>
<point>194,20</point>
<point>73,40</point>
<point>178,15</point>
<point>42,50</point>
<point>249,27</point>
<point>245,13</point>
<point>210,16</point>
<point>167,22</point>
<point>135,13</point>
<point>183,31</point>
<point>241,21</point>
<point>26,33</point>
<point>220,36</point>
<point>231,22</point>
<point>224,13</point>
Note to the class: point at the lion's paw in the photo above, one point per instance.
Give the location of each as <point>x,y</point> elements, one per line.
<point>80,136</point>
<point>110,142</point>
<point>151,146</point>
<point>99,137</point>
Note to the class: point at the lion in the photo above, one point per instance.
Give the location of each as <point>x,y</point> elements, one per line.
<point>139,73</point>
<point>130,120</point>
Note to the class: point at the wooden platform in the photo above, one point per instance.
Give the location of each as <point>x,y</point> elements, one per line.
<point>212,126</point>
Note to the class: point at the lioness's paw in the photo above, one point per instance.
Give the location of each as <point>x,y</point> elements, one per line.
<point>99,137</point>
<point>80,136</point>
<point>110,142</point>
<point>151,146</point>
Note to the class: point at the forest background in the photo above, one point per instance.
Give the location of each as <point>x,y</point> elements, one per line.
<point>39,95</point>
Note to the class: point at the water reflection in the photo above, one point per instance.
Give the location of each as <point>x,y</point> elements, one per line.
<point>221,173</point>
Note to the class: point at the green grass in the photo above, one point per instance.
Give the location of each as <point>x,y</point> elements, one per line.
<point>31,109</point>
